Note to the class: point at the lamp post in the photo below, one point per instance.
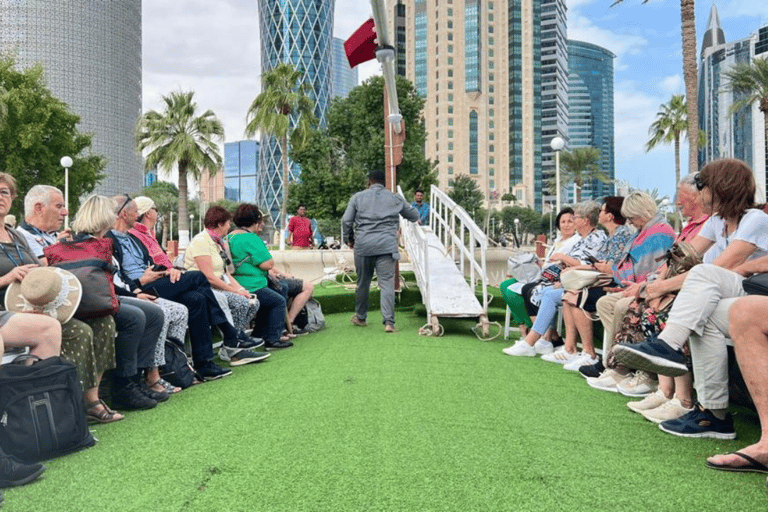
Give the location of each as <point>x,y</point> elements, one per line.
<point>517,232</point>
<point>170,227</point>
<point>557,144</point>
<point>191,219</point>
<point>66,163</point>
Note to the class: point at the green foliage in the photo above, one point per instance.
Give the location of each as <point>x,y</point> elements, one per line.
<point>466,193</point>
<point>178,136</point>
<point>578,166</point>
<point>36,130</point>
<point>166,198</point>
<point>531,221</point>
<point>509,196</point>
<point>750,80</point>
<point>228,205</point>
<point>357,122</point>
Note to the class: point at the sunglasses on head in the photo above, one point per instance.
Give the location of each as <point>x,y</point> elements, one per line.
<point>127,200</point>
<point>697,181</point>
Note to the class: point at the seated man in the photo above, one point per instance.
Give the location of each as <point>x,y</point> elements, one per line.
<point>748,325</point>
<point>189,288</point>
<point>296,293</point>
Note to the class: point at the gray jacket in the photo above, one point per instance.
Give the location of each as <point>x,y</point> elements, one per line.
<point>375,214</point>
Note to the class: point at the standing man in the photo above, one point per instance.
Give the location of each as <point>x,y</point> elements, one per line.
<point>300,230</point>
<point>421,207</point>
<point>375,214</point>
<point>44,213</point>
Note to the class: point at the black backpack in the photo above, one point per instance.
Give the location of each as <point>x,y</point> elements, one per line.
<point>41,409</point>
<point>177,369</point>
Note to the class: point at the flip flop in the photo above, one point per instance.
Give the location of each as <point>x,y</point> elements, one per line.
<point>754,466</point>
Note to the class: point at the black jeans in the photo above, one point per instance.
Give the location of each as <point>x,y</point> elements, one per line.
<point>194,291</point>
<point>138,323</point>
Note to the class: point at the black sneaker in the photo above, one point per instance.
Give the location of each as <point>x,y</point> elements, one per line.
<point>212,371</point>
<point>131,397</point>
<point>241,341</point>
<point>157,396</point>
<point>247,356</point>
<point>652,356</point>
<point>592,370</point>
<point>275,345</point>
<point>700,422</point>
<point>14,473</point>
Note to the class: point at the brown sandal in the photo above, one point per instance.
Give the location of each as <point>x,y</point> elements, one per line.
<point>103,415</point>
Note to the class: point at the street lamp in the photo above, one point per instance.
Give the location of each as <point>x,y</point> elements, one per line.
<point>557,144</point>
<point>191,219</point>
<point>517,232</point>
<point>66,163</point>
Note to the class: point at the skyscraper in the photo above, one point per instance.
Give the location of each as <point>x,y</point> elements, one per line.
<point>590,109</point>
<point>241,171</point>
<point>91,53</point>
<point>296,32</point>
<point>730,135</point>
<point>344,77</point>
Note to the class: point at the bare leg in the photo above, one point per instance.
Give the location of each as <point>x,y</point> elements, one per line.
<point>532,337</point>
<point>749,331</point>
<point>300,300</point>
<point>92,395</point>
<point>41,333</point>
<point>570,328</point>
<point>684,389</point>
<point>584,325</point>
<point>667,386</point>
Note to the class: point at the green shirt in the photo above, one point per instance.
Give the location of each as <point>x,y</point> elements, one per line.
<point>249,249</point>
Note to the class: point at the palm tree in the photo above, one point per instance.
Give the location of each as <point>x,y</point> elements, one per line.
<point>283,110</point>
<point>671,123</point>
<point>579,166</point>
<point>751,81</point>
<point>177,136</point>
<point>690,76</point>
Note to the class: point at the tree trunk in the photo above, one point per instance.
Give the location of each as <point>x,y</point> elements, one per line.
<point>183,191</point>
<point>688,23</point>
<point>677,177</point>
<point>764,110</point>
<point>284,205</point>
<point>165,231</point>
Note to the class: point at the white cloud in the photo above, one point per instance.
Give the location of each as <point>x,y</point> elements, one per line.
<point>672,85</point>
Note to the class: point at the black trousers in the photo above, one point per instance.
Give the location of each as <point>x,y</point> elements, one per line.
<point>138,323</point>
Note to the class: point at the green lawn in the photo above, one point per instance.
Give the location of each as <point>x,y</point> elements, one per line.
<point>355,419</point>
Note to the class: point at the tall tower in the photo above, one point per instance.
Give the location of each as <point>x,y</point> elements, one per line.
<point>590,102</point>
<point>344,77</point>
<point>91,54</point>
<point>296,32</point>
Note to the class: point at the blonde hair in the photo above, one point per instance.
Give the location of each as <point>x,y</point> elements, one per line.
<point>96,215</point>
<point>639,204</point>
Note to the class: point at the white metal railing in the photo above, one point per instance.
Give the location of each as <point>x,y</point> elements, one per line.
<point>455,228</point>
<point>416,244</point>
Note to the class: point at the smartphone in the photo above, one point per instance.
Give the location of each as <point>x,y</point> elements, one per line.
<point>159,268</point>
<point>592,259</point>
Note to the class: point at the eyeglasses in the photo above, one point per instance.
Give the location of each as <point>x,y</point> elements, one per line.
<point>697,182</point>
<point>6,192</point>
<point>127,200</point>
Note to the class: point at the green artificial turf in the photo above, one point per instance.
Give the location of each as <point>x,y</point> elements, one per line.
<point>353,419</point>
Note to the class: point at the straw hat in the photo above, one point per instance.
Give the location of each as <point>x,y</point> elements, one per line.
<point>50,291</point>
<point>143,204</point>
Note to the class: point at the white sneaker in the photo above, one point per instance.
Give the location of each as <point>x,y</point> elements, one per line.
<point>583,360</point>
<point>560,356</point>
<point>641,384</point>
<point>521,348</point>
<point>652,401</point>
<point>670,410</point>
<point>607,381</point>
<point>544,347</point>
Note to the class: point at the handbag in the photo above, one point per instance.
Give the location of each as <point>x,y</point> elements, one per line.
<point>41,409</point>
<point>756,284</point>
<point>90,260</point>
<point>578,279</point>
<point>551,274</point>
<point>177,369</point>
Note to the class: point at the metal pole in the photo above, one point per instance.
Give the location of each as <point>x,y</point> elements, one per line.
<point>557,178</point>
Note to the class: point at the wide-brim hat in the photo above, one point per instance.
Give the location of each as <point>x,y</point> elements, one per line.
<point>49,291</point>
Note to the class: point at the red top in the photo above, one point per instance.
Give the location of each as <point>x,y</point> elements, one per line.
<point>301,227</point>
<point>692,229</point>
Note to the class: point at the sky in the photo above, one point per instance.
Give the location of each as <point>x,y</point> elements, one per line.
<point>212,47</point>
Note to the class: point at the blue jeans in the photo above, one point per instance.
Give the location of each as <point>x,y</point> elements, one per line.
<point>270,318</point>
<point>551,299</point>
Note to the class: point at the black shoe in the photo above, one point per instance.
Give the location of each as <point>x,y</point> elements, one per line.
<point>652,356</point>
<point>131,397</point>
<point>157,396</point>
<point>212,371</point>
<point>13,472</point>
<point>592,370</point>
<point>246,357</point>
<point>275,345</point>
<point>242,341</point>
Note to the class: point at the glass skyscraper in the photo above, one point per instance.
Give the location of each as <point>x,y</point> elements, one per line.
<point>344,77</point>
<point>590,109</point>
<point>296,32</point>
<point>241,169</point>
<point>91,53</point>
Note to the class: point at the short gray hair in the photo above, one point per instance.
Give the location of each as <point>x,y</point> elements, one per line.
<point>96,215</point>
<point>39,194</point>
<point>590,210</point>
<point>639,204</point>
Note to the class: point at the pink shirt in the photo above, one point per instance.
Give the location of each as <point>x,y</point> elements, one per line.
<point>147,238</point>
<point>692,229</point>
<point>301,227</point>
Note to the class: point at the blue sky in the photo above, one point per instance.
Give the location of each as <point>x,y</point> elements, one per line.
<point>212,47</point>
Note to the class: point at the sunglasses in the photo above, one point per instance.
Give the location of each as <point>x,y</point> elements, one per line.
<point>127,200</point>
<point>697,182</point>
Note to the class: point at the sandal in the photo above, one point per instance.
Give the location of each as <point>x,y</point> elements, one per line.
<point>104,414</point>
<point>289,335</point>
<point>167,386</point>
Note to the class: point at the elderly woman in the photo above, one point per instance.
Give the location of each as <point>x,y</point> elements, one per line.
<point>585,217</point>
<point>253,262</point>
<point>90,345</point>
<point>512,295</point>
<point>699,315</point>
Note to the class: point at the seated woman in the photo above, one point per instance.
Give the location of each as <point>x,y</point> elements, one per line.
<point>519,308</point>
<point>89,345</point>
<point>253,261</point>
<point>585,219</point>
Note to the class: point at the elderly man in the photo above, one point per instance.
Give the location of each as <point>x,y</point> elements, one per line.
<point>375,214</point>
<point>44,213</point>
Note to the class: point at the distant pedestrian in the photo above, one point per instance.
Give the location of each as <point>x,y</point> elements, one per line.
<point>300,230</point>
<point>375,214</point>
<point>421,207</point>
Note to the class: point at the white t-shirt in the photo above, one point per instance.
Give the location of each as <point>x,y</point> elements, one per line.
<point>753,228</point>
